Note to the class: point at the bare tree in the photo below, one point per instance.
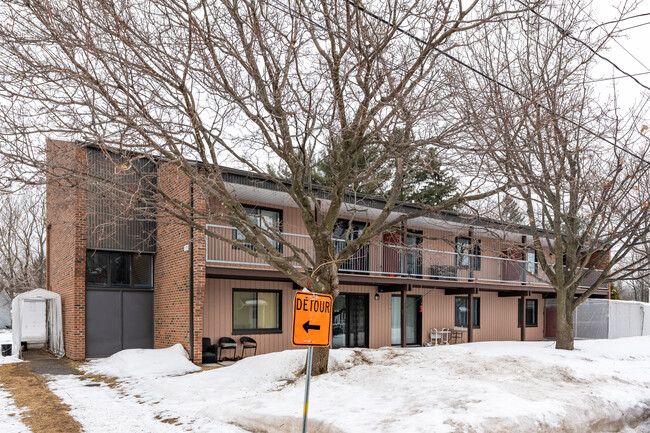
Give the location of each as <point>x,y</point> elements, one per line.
<point>637,287</point>
<point>640,289</point>
<point>578,165</point>
<point>22,242</point>
<point>276,88</point>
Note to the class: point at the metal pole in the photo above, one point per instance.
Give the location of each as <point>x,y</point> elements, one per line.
<point>310,352</point>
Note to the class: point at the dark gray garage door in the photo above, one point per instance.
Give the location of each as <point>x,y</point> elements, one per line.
<point>118,319</point>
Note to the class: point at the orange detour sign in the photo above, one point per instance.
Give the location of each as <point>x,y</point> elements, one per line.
<point>312,319</point>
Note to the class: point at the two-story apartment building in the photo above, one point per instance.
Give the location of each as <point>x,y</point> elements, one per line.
<point>145,280</point>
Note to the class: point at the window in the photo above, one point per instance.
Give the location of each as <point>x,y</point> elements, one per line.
<point>142,270</point>
<point>255,311</point>
<point>531,261</point>
<point>468,254</point>
<point>119,269</point>
<point>348,230</point>
<point>413,253</point>
<point>531,313</point>
<point>461,312</point>
<point>267,219</point>
<point>97,268</point>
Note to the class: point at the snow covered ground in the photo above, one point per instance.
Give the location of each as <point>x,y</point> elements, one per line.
<point>10,421</point>
<point>604,385</point>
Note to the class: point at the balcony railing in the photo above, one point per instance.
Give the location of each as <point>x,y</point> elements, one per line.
<point>381,259</point>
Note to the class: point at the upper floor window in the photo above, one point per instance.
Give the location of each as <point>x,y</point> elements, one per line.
<point>531,261</point>
<point>265,218</point>
<point>345,230</point>
<point>468,254</point>
<point>119,269</point>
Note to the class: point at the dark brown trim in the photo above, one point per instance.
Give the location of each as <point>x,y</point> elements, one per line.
<point>452,292</point>
<point>395,288</point>
<point>515,293</point>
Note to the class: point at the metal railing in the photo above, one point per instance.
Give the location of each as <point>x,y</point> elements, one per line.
<point>382,259</point>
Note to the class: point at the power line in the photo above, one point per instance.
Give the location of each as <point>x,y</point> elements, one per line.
<point>292,12</point>
<point>615,78</point>
<point>634,27</point>
<point>505,86</point>
<point>567,34</point>
<point>619,21</point>
<point>620,45</point>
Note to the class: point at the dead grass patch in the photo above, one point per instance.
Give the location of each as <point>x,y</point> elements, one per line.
<point>42,410</point>
<point>100,378</point>
<point>173,421</point>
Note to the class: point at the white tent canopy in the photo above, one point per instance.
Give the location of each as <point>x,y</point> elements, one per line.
<point>52,316</point>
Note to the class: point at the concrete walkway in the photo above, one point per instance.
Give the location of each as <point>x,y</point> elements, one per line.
<point>43,362</point>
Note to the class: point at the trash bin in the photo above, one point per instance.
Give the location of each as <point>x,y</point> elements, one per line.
<point>6,349</point>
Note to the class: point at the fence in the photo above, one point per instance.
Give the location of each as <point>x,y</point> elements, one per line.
<point>604,318</point>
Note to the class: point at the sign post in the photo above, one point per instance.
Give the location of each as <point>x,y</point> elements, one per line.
<point>312,327</point>
<point>310,354</point>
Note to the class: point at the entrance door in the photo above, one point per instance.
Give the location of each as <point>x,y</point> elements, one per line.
<point>350,321</point>
<point>413,320</point>
<point>550,322</point>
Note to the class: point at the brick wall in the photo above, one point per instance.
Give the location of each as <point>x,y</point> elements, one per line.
<point>66,239</point>
<point>171,280</point>
<point>200,203</point>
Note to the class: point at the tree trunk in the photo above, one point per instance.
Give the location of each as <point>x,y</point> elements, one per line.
<point>564,332</point>
<point>320,360</point>
<point>327,281</point>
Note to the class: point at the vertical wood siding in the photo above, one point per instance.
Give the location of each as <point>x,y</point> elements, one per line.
<point>498,315</point>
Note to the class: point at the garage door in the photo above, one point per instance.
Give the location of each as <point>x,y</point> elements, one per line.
<point>117,320</point>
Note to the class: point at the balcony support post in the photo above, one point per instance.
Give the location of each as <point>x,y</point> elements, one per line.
<point>522,314</point>
<point>403,250</point>
<point>403,317</point>
<point>470,317</point>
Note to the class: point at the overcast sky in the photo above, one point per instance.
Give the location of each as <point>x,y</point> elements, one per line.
<point>629,52</point>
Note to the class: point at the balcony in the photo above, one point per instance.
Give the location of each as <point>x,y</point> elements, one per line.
<point>381,259</point>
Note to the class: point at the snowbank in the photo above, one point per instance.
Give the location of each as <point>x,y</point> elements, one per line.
<point>527,387</point>
<point>171,361</point>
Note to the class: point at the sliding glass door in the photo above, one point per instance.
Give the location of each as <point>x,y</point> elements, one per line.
<point>350,321</point>
<point>413,320</point>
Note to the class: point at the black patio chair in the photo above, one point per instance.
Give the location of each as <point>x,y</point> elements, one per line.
<point>226,343</point>
<point>248,343</point>
<point>209,351</point>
